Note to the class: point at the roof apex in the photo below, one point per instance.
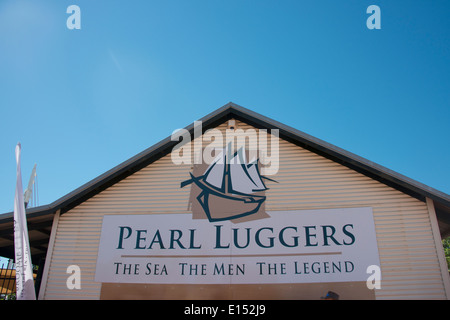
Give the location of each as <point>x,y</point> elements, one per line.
<point>233,110</point>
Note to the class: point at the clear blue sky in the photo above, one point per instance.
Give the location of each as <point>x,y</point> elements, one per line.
<point>83,101</point>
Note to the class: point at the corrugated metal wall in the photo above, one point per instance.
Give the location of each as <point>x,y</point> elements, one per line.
<point>409,262</point>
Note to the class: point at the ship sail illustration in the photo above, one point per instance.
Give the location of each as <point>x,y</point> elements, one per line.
<point>229,186</point>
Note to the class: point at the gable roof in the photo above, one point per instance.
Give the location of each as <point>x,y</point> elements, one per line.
<point>229,111</point>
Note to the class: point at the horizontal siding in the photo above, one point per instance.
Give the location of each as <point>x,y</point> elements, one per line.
<point>409,263</point>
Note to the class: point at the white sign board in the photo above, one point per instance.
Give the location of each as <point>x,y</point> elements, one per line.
<point>301,246</point>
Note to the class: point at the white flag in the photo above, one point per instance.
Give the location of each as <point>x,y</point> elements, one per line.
<point>24,272</point>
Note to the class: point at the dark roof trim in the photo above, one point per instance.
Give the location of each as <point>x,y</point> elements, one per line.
<point>228,111</point>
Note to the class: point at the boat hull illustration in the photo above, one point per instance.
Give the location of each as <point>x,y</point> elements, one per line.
<point>220,206</point>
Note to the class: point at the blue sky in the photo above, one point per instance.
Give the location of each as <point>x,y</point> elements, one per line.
<point>83,101</point>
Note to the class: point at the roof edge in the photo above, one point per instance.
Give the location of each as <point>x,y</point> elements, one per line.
<point>229,110</point>
<point>383,172</point>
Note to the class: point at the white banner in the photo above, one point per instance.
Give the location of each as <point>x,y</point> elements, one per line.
<point>24,272</point>
<point>301,246</point>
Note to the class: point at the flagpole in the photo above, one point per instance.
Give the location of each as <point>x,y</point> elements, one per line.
<point>24,272</point>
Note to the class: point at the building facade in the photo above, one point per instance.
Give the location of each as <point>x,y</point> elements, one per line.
<point>313,218</point>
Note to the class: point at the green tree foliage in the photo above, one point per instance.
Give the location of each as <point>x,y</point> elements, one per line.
<point>446,244</point>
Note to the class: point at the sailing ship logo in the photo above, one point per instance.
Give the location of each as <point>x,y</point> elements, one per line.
<point>230,187</point>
